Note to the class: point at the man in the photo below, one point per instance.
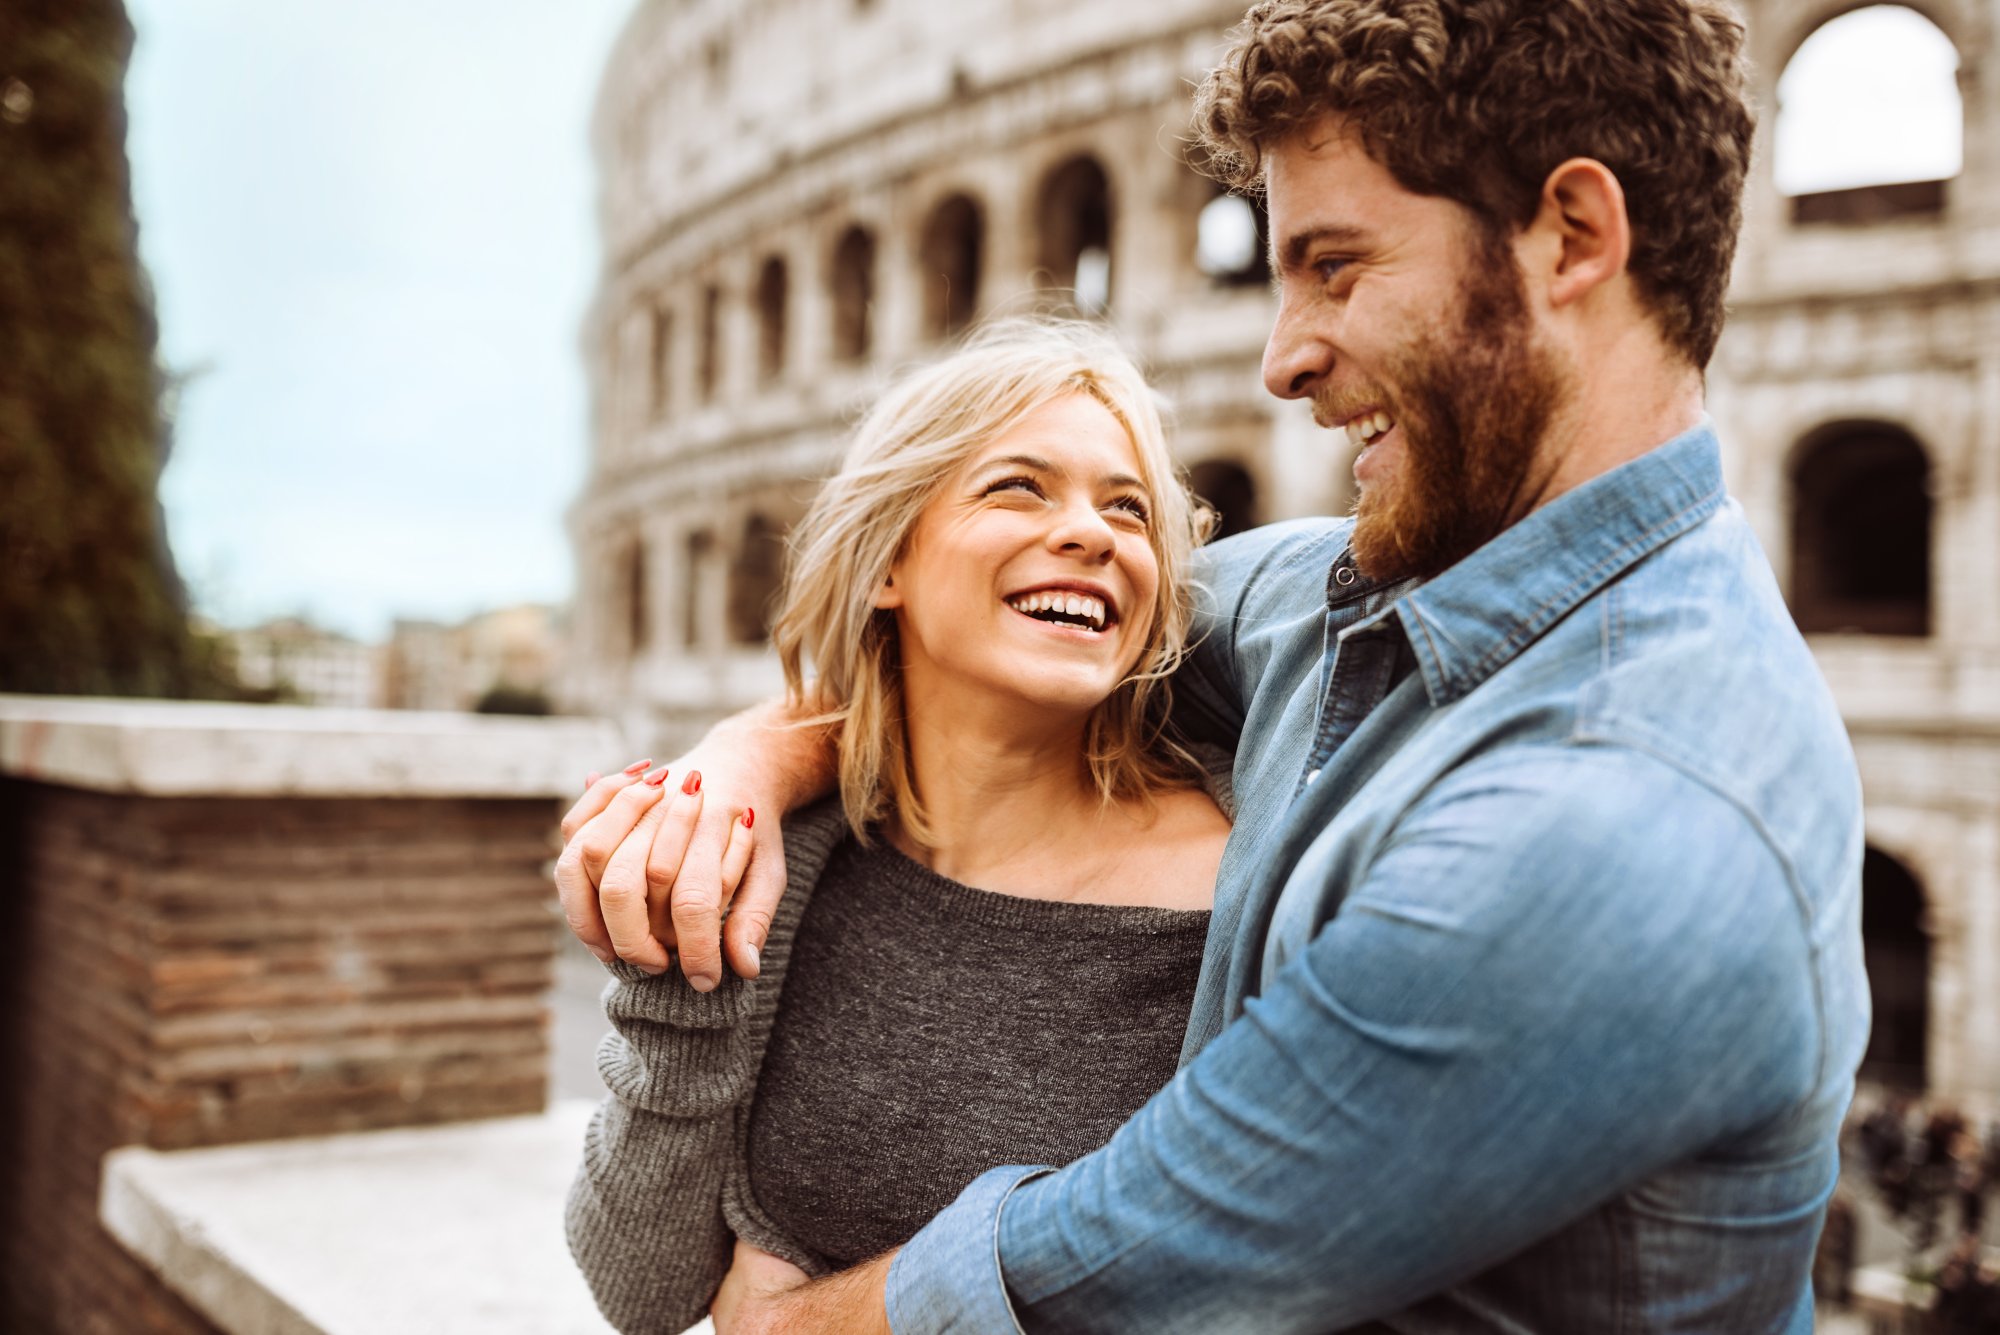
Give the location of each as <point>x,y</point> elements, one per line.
<point>1533,994</point>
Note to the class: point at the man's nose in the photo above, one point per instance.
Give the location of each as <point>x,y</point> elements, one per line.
<point>1297,359</point>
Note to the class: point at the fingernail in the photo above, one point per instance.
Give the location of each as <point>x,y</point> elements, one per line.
<point>658,777</point>
<point>603,956</point>
<point>701,982</point>
<point>756,961</point>
<point>590,779</point>
<point>692,786</point>
<point>636,766</point>
<point>749,817</point>
<point>652,970</point>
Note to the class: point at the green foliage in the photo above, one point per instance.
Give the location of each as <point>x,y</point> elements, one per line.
<point>89,603</point>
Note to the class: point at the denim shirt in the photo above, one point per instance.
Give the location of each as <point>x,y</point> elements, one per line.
<point>1533,994</point>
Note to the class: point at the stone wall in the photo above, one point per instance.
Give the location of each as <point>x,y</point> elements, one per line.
<point>180,969</point>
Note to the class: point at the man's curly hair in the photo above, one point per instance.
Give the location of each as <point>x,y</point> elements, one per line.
<point>1478,101</point>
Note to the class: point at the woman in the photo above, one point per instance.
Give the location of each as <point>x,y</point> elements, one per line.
<point>990,939</point>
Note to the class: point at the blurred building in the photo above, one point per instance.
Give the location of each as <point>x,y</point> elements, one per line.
<point>291,660</point>
<point>503,661</point>
<point>799,197</point>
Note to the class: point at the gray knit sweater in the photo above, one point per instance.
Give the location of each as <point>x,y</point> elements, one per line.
<point>663,1190</point>
<point>930,1031</point>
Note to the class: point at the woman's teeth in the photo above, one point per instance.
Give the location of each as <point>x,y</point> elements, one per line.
<point>1055,605</point>
<point>1364,429</point>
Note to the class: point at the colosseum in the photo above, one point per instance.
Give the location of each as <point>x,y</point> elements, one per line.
<point>799,196</point>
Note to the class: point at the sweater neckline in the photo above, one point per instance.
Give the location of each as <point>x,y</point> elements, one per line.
<point>889,866</point>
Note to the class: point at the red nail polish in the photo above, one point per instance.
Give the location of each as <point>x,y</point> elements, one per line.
<point>658,778</point>
<point>693,783</point>
<point>749,817</point>
<point>637,766</point>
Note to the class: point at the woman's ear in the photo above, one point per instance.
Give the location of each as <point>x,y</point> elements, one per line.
<point>887,596</point>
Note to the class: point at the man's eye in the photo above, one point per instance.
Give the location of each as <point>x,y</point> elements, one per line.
<point>1329,269</point>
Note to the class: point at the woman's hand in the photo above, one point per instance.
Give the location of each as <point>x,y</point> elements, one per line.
<point>673,858</point>
<point>654,858</point>
<point>755,1279</point>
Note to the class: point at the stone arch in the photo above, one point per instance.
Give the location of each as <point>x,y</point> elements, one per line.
<point>708,349</point>
<point>1795,21</point>
<point>635,594</point>
<point>951,256</point>
<point>1896,946</point>
<point>1869,124</point>
<point>1230,490</point>
<point>1861,523</point>
<point>773,301</point>
<point>1073,229</point>
<point>660,361</point>
<point>754,579</point>
<point>1233,240</point>
<point>698,552</point>
<point>853,283</point>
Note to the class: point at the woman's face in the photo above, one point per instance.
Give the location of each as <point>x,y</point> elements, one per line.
<point>1031,576</point>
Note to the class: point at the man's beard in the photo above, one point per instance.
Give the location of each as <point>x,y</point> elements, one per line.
<point>1473,404</point>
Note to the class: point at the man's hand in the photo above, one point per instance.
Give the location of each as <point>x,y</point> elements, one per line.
<point>651,867</point>
<point>755,1282</point>
<point>762,1295</point>
<point>627,840</point>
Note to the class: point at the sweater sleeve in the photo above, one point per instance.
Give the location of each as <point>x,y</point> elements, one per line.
<point>663,1158</point>
<point>644,1216</point>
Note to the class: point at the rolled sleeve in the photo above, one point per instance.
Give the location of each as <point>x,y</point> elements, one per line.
<point>947,1278</point>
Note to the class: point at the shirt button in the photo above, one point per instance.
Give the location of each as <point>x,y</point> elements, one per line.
<point>1311,774</point>
<point>1344,576</point>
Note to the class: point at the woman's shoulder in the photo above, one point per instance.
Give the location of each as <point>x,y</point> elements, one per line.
<point>1174,848</point>
<point>1189,817</point>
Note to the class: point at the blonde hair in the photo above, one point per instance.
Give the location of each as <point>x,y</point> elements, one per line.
<point>922,429</point>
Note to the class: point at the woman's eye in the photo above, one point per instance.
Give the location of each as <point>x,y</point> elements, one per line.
<point>1026,484</point>
<point>1132,506</point>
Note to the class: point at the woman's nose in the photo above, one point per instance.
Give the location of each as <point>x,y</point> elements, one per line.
<point>1080,529</point>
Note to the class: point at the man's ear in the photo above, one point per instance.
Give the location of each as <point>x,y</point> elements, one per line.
<point>1583,214</point>
<point>887,596</point>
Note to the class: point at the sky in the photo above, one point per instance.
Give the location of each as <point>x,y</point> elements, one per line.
<point>369,226</point>
<point>370,230</point>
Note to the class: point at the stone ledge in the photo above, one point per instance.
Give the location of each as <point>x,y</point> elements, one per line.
<point>173,748</point>
<point>432,1230</point>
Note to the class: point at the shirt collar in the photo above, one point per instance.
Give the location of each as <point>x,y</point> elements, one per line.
<point>1476,617</point>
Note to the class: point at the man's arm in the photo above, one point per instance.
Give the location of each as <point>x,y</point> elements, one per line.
<point>769,759</point>
<point>763,759</point>
<point>1567,969</point>
<point>1214,684</point>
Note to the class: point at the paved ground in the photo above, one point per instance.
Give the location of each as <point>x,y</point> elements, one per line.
<point>578,1022</point>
